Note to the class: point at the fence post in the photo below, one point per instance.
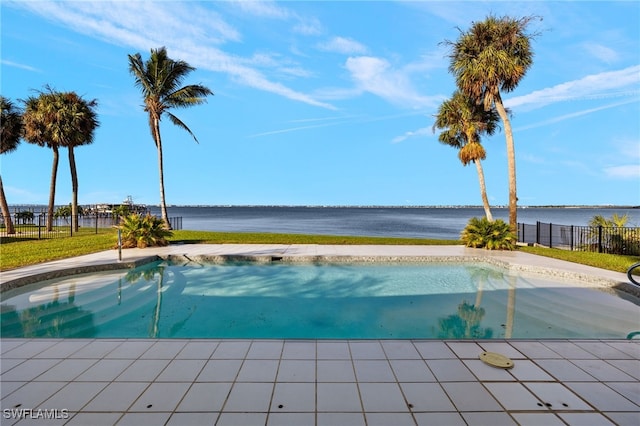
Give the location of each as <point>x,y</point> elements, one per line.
<point>96,222</point>
<point>71,226</point>
<point>571,244</point>
<point>538,232</point>
<point>521,233</point>
<point>119,245</point>
<point>600,239</point>
<point>550,235</point>
<point>39,226</point>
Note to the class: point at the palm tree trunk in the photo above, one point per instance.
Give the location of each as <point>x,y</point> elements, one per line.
<point>52,189</point>
<point>511,161</point>
<point>479,293</point>
<point>74,189</point>
<point>155,327</point>
<point>163,204</point>
<point>483,191</point>
<point>511,307</point>
<point>8,223</point>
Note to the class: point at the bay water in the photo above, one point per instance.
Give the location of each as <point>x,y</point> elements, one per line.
<point>409,222</point>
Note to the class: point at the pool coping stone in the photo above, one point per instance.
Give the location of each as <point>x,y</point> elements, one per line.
<point>308,253</point>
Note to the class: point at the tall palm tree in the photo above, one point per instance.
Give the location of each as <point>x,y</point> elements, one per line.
<point>76,120</point>
<point>37,115</point>
<point>489,59</point>
<point>463,122</point>
<point>60,119</point>
<point>160,80</point>
<point>10,133</point>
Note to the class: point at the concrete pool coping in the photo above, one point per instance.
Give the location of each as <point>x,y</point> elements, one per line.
<point>232,381</point>
<point>512,260</point>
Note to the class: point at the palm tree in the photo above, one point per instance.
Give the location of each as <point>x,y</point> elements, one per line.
<point>77,120</point>
<point>37,116</point>
<point>160,80</point>
<point>465,324</point>
<point>492,57</point>
<point>615,239</point>
<point>464,121</point>
<point>10,133</point>
<point>60,119</point>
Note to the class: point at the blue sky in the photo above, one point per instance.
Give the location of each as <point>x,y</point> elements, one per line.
<point>327,103</point>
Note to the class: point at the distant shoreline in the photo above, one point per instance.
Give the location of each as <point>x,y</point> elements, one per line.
<point>318,206</point>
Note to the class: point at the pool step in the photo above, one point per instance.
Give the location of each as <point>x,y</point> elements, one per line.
<point>565,306</point>
<point>100,307</point>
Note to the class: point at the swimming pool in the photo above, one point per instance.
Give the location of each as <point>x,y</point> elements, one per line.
<point>316,301</point>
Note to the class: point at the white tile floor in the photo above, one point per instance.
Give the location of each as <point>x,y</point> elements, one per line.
<point>282,382</point>
<point>293,382</point>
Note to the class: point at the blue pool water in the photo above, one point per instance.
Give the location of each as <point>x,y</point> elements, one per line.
<point>316,301</point>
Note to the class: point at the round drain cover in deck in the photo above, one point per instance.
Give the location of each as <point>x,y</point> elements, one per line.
<point>496,360</point>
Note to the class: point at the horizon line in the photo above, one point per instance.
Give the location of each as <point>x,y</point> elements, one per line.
<point>497,206</point>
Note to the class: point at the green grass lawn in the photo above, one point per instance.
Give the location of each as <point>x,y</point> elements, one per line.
<point>613,262</point>
<point>17,252</point>
<point>195,237</point>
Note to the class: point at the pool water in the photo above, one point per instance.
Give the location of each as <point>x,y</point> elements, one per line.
<point>316,301</point>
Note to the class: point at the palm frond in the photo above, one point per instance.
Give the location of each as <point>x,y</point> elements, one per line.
<point>175,120</point>
<point>11,126</point>
<point>493,55</point>
<point>463,122</point>
<point>193,94</point>
<point>160,80</point>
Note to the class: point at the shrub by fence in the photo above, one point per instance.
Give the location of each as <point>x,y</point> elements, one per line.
<point>34,226</point>
<point>600,239</point>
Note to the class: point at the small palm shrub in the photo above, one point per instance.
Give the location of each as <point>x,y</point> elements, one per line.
<point>613,235</point>
<point>143,231</point>
<point>122,210</point>
<point>494,235</point>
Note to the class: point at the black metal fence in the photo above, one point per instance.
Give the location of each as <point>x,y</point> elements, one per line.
<point>175,222</point>
<point>600,239</point>
<point>36,226</point>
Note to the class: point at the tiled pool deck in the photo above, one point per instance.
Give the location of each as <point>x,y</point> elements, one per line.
<point>309,382</point>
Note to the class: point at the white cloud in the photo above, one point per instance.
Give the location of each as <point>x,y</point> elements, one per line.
<point>625,82</point>
<point>630,149</point>
<point>351,120</point>
<point>181,21</point>
<point>575,114</point>
<point>630,171</point>
<point>376,76</point>
<point>308,27</point>
<point>603,53</point>
<point>531,158</point>
<point>270,9</point>
<point>311,120</point>
<point>453,12</point>
<point>336,93</point>
<point>343,45</point>
<point>263,8</point>
<point>325,122</point>
<point>429,61</point>
<point>275,61</point>
<point>462,13</point>
<point>21,66</point>
<point>412,134</point>
<point>189,32</point>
